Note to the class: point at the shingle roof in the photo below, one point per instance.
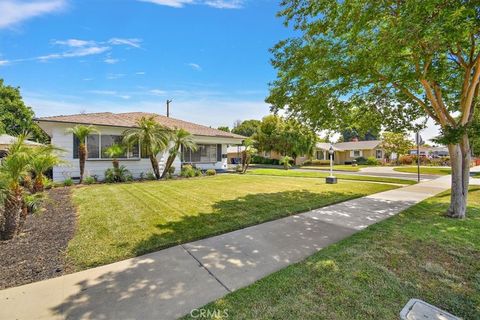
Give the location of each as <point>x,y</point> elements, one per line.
<point>354,145</point>
<point>358,145</point>
<point>129,120</point>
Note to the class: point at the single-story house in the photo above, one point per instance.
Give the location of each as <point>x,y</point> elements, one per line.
<point>346,152</point>
<point>431,152</point>
<point>211,153</point>
<point>234,154</point>
<point>6,141</point>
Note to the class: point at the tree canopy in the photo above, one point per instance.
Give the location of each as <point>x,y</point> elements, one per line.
<point>246,128</point>
<point>16,118</point>
<point>398,143</point>
<point>285,136</point>
<point>404,60</point>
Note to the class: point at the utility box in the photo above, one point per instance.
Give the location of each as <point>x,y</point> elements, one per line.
<point>417,309</point>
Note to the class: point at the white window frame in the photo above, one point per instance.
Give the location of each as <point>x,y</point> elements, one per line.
<point>110,159</point>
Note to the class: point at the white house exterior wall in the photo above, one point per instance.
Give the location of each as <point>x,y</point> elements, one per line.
<point>63,140</point>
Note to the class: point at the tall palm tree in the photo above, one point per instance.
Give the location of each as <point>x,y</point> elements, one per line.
<point>113,152</point>
<point>180,139</point>
<point>152,136</point>
<point>81,132</point>
<point>43,158</point>
<point>13,169</point>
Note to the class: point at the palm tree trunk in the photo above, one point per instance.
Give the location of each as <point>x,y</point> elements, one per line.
<point>82,155</point>
<point>38,185</point>
<point>168,165</point>
<point>13,211</point>
<point>116,164</point>
<point>156,169</point>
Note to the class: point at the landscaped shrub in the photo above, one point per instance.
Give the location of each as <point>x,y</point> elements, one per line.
<point>150,176</point>
<point>68,182</point>
<point>89,180</point>
<point>361,160</point>
<point>406,160</point>
<point>120,174</point>
<point>211,172</point>
<point>316,163</point>
<point>371,161</point>
<point>198,172</point>
<point>171,170</point>
<point>263,160</point>
<point>187,171</point>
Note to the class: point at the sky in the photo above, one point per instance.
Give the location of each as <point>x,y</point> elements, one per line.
<point>211,57</point>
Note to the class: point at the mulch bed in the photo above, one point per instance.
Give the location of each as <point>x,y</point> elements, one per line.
<point>38,253</point>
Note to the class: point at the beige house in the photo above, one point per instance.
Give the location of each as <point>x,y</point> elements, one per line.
<point>6,141</point>
<point>346,152</point>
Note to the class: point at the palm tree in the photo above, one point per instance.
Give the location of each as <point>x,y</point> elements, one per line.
<point>43,158</point>
<point>13,169</point>
<point>286,162</point>
<point>247,153</point>
<point>115,151</point>
<point>82,132</point>
<point>152,136</point>
<point>181,139</point>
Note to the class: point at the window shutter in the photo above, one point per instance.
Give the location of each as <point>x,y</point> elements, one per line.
<point>76,144</point>
<point>219,152</point>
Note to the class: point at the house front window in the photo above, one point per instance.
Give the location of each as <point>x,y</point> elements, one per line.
<point>205,153</point>
<point>379,154</point>
<point>357,153</point>
<point>97,145</point>
<point>321,155</point>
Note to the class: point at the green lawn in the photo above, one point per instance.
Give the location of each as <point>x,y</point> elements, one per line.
<point>424,170</point>
<point>313,174</point>
<point>339,167</point>
<point>371,275</point>
<point>118,221</point>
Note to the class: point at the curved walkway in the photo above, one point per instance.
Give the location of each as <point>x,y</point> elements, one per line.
<point>170,283</point>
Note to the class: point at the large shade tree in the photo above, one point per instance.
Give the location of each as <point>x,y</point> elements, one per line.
<point>405,59</point>
<point>15,117</point>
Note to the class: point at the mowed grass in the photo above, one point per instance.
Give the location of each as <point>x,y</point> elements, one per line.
<point>339,167</point>
<point>425,170</point>
<point>314,174</point>
<point>118,221</point>
<point>371,275</point>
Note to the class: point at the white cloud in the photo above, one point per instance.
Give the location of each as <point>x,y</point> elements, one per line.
<point>80,52</point>
<point>140,73</point>
<point>128,42</point>
<point>113,76</point>
<point>195,66</point>
<point>75,43</point>
<point>13,12</point>
<point>111,60</point>
<point>4,62</point>
<point>157,92</point>
<point>219,4</point>
<point>169,3</point>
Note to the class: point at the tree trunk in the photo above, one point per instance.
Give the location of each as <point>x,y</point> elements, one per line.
<point>460,164</point>
<point>38,184</point>
<point>115,164</point>
<point>82,156</point>
<point>168,165</point>
<point>156,169</point>
<point>13,211</point>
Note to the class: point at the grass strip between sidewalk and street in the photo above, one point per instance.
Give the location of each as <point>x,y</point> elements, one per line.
<point>317,174</point>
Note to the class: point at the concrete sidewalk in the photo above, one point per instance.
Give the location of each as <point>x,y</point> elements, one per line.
<point>170,283</point>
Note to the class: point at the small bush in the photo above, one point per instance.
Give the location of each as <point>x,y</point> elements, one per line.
<point>187,171</point>
<point>150,176</point>
<point>89,180</point>
<point>361,160</point>
<point>171,171</point>
<point>262,160</point>
<point>372,161</point>
<point>238,168</point>
<point>406,160</point>
<point>68,182</point>
<point>211,172</point>
<point>121,174</point>
<point>198,173</point>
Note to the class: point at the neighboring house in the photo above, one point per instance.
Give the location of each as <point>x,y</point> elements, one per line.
<point>346,152</point>
<point>211,152</point>
<point>234,154</point>
<point>6,141</point>
<point>431,152</point>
